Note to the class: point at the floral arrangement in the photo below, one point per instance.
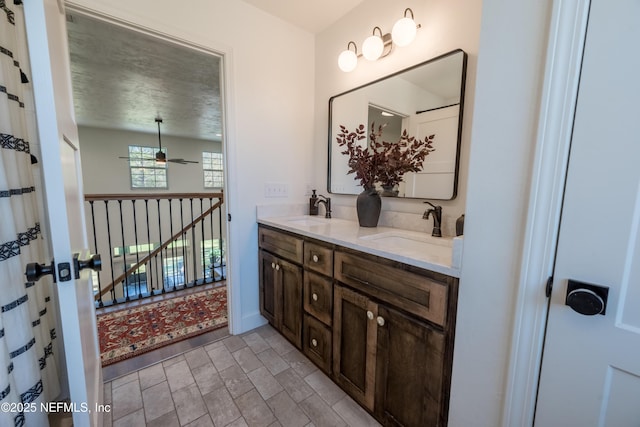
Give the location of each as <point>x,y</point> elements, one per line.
<point>382,161</point>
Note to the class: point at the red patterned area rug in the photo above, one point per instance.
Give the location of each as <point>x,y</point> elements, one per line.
<point>129,332</point>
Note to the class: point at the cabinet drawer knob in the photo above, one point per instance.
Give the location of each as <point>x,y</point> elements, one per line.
<point>314,342</point>
<point>277,266</point>
<point>273,265</point>
<point>315,258</point>
<point>369,315</point>
<point>380,320</point>
<point>314,296</point>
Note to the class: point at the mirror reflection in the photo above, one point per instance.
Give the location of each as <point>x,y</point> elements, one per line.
<point>426,99</point>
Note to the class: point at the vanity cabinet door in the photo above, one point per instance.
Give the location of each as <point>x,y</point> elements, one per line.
<point>269,298</point>
<point>290,283</point>
<point>354,344</point>
<point>409,371</point>
<point>281,295</point>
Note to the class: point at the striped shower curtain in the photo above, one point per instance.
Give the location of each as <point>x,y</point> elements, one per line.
<point>28,369</point>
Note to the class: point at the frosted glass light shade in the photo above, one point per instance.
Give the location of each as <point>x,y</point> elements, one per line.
<point>372,47</point>
<point>404,31</point>
<point>347,61</point>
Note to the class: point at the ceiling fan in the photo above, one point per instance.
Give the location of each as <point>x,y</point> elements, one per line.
<point>161,157</point>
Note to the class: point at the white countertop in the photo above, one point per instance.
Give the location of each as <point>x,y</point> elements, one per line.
<point>439,254</point>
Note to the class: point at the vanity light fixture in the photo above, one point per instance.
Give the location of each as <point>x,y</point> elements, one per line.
<point>379,45</point>
<point>348,59</point>
<point>387,114</point>
<point>404,30</point>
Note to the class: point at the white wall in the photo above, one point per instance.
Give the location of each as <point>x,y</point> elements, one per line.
<point>269,76</point>
<point>103,172</point>
<point>445,26</point>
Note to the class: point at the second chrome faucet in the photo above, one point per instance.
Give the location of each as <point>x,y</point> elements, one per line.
<point>436,212</point>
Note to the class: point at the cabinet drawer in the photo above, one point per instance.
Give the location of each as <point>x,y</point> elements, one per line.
<point>318,258</point>
<point>317,343</point>
<point>409,291</point>
<point>318,296</point>
<point>285,245</point>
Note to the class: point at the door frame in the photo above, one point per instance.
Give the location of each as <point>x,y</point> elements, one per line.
<point>565,46</point>
<point>234,311</point>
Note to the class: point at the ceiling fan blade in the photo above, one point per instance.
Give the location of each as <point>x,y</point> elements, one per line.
<point>181,161</point>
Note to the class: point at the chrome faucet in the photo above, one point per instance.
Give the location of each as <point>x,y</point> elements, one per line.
<point>326,201</point>
<point>437,218</point>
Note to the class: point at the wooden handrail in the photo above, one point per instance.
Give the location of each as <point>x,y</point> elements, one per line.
<point>153,196</point>
<point>155,252</point>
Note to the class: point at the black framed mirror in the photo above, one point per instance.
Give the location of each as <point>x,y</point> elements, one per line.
<point>426,99</point>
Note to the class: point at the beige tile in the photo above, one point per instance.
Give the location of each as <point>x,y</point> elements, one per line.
<point>236,381</point>
<point>255,411</point>
<point>265,331</point>
<point>221,358</point>
<point>207,378</point>
<point>152,375</point>
<point>213,345</point>
<point>256,342</point>
<point>272,360</point>
<point>326,389</point>
<point>287,411</point>
<point>157,401</point>
<point>126,399</point>
<point>179,375</point>
<point>247,359</point>
<point>221,406</point>
<point>293,383</point>
<point>203,421</point>
<point>353,413</point>
<point>299,363</point>
<point>240,422</point>
<point>279,344</point>
<point>173,360</point>
<point>234,343</point>
<point>169,419</point>
<point>189,404</point>
<point>265,382</point>
<point>321,414</point>
<point>197,357</point>
<point>107,393</point>
<point>124,379</point>
<point>134,419</point>
<point>275,424</point>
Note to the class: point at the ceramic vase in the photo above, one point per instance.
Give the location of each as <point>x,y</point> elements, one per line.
<point>368,205</point>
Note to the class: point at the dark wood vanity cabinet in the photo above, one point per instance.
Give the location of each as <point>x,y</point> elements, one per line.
<point>381,329</point>
<point>281,283</point>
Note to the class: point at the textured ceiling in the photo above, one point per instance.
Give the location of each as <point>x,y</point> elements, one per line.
<point>124,79</point>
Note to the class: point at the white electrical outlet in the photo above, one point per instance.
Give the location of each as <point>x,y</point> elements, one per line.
<point>276,189</point>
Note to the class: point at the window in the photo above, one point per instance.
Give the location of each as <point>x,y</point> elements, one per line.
<point>145,172</point>
<point>213,170</point>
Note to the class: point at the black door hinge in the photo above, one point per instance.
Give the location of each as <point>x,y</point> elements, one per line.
<point>548,287</point>
<point>229,217</point>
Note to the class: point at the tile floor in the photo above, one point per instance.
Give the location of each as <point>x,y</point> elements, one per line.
<point>255,379</point>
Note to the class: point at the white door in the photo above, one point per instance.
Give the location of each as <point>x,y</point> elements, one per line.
<point>45,22</point>
<point>591,364</point>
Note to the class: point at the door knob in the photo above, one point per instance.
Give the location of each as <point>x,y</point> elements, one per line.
<point>369,315</point>
<point>94,262</point>
<point>35,271</point>
<point>587,299</point>
<point>380,320</point>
